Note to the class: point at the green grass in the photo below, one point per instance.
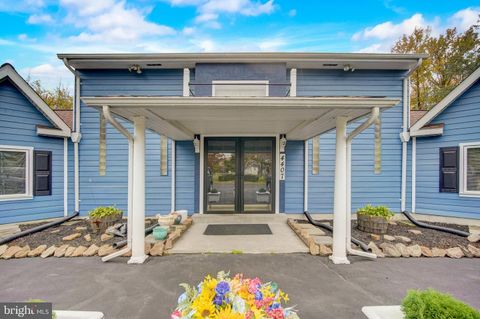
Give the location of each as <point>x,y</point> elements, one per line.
<point>236,252</point>
<point>431,304</point>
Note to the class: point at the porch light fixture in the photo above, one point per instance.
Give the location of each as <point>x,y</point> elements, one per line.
<point>196,143</point>
<point>283,142</point>
<point>135,68</point>
<point>348,67</point>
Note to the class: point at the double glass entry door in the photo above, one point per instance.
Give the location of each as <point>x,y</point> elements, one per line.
<point>239,175</point>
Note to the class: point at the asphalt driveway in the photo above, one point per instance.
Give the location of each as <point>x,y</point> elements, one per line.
<point>318,288</point>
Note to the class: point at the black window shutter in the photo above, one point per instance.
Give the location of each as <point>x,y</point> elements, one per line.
<point>449,169</point>
<point>42,171</point>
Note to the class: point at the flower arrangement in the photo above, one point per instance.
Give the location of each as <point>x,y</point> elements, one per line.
<point>232,298</point>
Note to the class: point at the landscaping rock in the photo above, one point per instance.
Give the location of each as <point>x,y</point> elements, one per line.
<point>466,252</point>
<point>128,254</point>
<point>390,250</point>
<point>415,231</point>
<point>438,252</point>
<point>323,240</point>
<point>72,222</point>
<point>10,252</point>
<point>377,251</point>
<point>72,237</point>
<point>105,250</point>
<point>48,252</point>
<point>60,251</point>
<point>474,238</point>
<point>106,237</point>
<point>427,252</point>
<point>147,248</point>
<point>22,253</point>
<point>388,237</point>
<point>314,249</point>
<point>474,250</point>
<point>316,232</point>
<point>375,237</point>
<point>79,251</point>
<point>324,250</point>
<point>150,239</point>
<point>157,249</point>
<point>81,228</point>
<point>91,251</point>
<point>88,237</point>
<point>37,251</point>
<point>455,252</point>
<point>55,231</point>
<point>402,249</point>
<point>414,250</point>
<point>404,239</point>
<point>69,251</point>
<point>3,249</point>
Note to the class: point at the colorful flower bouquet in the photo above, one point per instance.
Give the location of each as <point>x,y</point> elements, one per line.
<point>233,298</point>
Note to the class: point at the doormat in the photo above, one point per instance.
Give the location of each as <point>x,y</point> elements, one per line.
<point>238,229</point>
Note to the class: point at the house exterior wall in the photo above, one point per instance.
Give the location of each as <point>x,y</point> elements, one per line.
<point>461,120</point>
<point>18,122</point>
<point>367,187</point>
<point>111,189</point>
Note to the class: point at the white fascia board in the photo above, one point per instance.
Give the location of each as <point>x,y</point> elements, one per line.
<point>427,132</point>
<point>449,99</point>
<point>8,71</point>
<point>52,132</point>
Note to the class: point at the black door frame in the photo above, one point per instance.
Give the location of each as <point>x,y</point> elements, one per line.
<point>239,174</point>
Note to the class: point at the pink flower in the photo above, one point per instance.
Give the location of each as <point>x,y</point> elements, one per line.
<point>276,313</point>
<point>176,315</point>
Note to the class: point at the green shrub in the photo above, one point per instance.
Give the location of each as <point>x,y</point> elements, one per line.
<point>104,211</point>
<point>380,211</point>
<point>431,304</point>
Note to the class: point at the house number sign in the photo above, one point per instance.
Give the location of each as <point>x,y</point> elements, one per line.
<point>282,166</point>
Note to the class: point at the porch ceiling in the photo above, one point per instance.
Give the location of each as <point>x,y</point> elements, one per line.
<point>299,117</point>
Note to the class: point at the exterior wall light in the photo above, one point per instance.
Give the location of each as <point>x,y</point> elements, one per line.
<point>135,68</point>
<point>196,143</point>
<point>348,67</point>
<point>283,142</point>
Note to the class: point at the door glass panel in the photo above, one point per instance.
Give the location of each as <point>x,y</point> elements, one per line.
<point>221,175</point>
<point>257,175</point>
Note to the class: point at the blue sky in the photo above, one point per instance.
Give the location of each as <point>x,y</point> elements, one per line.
<point>33,31</point>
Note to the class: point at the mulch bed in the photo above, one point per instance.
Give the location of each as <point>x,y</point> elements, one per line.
<point>53,236</point>
<point>428,237</point>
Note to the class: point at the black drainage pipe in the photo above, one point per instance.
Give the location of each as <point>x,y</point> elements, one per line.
<point>120,244</point>
<point>435,227</point>
<point>357,242</point>
<point>36,229</point>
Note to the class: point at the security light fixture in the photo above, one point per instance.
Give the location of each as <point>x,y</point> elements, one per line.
<point>135,68</point>
<point>196,143</point>
<point>348,67</point>
<point>283,142</point>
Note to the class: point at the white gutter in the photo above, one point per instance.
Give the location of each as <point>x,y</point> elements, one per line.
<point>76,135</point>
<point>65,176</point>
<point>362,127</point>
<point>109,118</point>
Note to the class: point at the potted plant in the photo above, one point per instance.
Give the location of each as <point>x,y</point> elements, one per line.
<point>374,219</point>
<point>263,196</point>
<point>214,196</point>
<point>103,217</point>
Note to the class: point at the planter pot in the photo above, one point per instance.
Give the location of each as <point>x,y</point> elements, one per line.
<point>214,197</point>
<point>101,224</point>
<point>372,224</point>
<point>263,197</point>
<point>383,312</point>
<point>160,233</point>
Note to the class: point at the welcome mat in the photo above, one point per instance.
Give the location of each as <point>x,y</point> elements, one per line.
<point>237,229</point>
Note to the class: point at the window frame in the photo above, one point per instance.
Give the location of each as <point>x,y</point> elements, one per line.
<point>244,82</point>
<point>28,174</point>
<point>463,148</point>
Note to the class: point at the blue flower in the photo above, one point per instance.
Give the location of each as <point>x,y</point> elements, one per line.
<point>275,305</point>
<point>218,300</point>
<point>222,288</point>
<point>258,295</point>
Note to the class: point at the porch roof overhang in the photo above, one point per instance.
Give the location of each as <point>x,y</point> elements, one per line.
<point>180,118</point>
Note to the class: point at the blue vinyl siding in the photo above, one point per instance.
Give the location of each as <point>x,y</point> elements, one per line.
<point>291,195</point>
<point>367,187</point>
<point>111,189</point>
<point>187,177</point>
<point>461,120</point>
<point>18,121</point>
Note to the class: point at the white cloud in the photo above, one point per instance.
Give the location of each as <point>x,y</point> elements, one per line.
<point>40,19</point>
<point>465,18</point>
<point>188,30</point>
<point>49,74</point>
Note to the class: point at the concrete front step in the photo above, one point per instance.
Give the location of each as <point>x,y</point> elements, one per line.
<point>239,218</point>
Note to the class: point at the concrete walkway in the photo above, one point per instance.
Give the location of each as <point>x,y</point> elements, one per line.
<point>320,289</point>
<point>283,240</point>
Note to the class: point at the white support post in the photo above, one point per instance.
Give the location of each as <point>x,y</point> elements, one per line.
<point>339,255</point>
<point>305,177</point>
<point>414,174</point>
<point>138,222</point>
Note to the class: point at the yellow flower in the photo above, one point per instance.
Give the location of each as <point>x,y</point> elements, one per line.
<point>227,313</point>
<point>204,308</point>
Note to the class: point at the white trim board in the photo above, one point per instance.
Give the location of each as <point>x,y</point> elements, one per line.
<point>447,101</point>
<point>8,71</point>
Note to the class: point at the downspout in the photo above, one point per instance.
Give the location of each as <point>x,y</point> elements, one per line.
<point>109,118</point>
<point>362,127</point>
<point>173,168</point>
<point>76,135</point>
<point>65,176</point>
<point>414,173</point>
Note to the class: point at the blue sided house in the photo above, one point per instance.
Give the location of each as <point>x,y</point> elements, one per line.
<point>445,156</point>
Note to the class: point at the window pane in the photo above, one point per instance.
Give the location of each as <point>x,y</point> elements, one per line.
<point>12,172</point>
<point>473,169</point>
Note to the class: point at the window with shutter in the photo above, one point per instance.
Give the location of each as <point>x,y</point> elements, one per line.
<point>15,172</point>
<point>42,162</point>
<point>449,169</point>
<point>470,169</point>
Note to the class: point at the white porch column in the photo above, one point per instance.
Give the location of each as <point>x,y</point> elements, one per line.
<point>339,255</point>
<point>138,222</point>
